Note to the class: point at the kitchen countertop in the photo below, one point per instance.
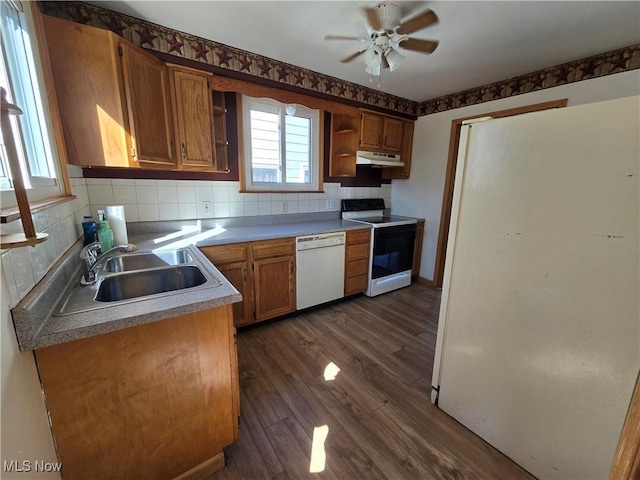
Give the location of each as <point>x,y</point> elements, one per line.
<point>36,327</point>
<point>200,236</point>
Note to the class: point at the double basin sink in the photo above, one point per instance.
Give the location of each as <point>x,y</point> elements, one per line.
<point>130,277</point>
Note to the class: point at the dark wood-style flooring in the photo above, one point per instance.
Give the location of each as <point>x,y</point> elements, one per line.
<point>376,413</point>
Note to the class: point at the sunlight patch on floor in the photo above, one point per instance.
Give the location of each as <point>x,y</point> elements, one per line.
<point>318,456</point>
<point>331,371</point>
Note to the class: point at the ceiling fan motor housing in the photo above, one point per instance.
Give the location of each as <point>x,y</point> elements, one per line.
<point>389,15</point>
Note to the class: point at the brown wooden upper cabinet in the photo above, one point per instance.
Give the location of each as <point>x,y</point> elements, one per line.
<point>194,113</point>
<point>113,97</point>
<point>380,133</point>
<point>87,73</point>
<point>146,90</point>
<point>405,154</point>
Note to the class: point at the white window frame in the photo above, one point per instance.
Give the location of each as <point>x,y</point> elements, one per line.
<point>315,162</point>
<point>38,188</point>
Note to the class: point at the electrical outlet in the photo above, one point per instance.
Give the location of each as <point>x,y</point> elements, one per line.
<point>331,203</point>
<point>285,207</point>
<point>206,208</point>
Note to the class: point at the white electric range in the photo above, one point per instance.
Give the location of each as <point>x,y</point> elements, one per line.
<point>392,241</point>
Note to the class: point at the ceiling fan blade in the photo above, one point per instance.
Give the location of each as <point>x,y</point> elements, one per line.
<point>416,23</point>
<point>373,18</point>
<point>419,45</point>
<point>353,56</point>
<point>342,37</point>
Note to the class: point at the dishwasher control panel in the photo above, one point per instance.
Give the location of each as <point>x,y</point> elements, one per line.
<point>320,241</point>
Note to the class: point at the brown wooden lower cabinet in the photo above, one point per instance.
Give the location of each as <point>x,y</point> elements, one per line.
<point>263,272</point>
<point>232,261</point>
<point>152,401</point>
<point>356,268</point>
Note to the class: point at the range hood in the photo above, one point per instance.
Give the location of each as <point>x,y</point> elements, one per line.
<point>377,159</point>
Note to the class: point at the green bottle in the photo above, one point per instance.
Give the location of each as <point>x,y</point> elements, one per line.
<point>105,236</point>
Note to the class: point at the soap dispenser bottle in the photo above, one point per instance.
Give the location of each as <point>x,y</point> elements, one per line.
<point>105,234</point>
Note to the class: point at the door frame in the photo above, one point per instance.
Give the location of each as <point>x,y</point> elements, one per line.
<point>447,197</point>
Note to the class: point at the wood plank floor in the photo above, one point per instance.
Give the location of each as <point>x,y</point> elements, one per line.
<point>375,415</point>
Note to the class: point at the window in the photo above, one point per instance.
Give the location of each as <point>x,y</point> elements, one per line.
<point>20,76</point>
<point>281,146</point>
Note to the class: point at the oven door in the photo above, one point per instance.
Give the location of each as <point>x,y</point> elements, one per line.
<point>392,250</point>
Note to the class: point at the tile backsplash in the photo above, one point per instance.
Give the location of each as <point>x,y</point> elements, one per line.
<point>148,201</point>
<point>23,267</point>
<point>153,200</point>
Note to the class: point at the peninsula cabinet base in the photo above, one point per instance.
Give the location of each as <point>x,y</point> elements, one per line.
<point>154,401</point>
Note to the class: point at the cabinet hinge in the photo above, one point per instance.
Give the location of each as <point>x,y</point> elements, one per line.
<point>133,152</point>
<point>120,52</point>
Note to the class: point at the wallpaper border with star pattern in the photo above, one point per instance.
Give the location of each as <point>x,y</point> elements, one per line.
<point>166,40</point>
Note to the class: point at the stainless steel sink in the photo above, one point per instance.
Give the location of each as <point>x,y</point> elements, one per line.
<point>143,261</point>
<point>142,283</point>
<point>134,277</point>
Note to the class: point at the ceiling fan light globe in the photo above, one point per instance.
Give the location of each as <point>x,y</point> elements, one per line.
<point>394,58</point>
<point>372,55</point>
<point>373,69</point>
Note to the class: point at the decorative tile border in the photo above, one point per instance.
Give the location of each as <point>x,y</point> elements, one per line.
<point>617,61</point>
<point>162,39</point>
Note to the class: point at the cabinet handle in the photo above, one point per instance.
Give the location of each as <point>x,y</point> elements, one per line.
<point>184,151</point>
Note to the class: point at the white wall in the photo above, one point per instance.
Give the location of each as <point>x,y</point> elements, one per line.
<point>421,195</point>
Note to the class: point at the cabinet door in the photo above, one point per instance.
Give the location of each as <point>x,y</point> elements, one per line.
<point>371,130</point>
<point>146,84</point>
<point>149,401</point>
<point>193,113</point>
<point>274,286</point>
<point>405,155</point>
<point>87,76</point>
<point>236,273</point>
<point>392,135</point>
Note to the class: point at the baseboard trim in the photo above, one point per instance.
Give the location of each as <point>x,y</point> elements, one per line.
<point>205,469</point>
<point>425,282</point>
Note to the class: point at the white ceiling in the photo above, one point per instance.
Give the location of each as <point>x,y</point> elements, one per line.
<point>480,42</point>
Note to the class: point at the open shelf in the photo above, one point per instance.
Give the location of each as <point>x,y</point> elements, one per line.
<point>344,145</point>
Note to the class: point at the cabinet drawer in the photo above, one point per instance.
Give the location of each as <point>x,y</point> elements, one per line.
<point>273,248</point>
<point>357,252</point>
<point>355,285</point>
<point>358,236</point>
<point>225,253</point>
<point>356,268</point>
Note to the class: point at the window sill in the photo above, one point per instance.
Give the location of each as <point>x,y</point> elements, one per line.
<point>11,214</point>
<point>280,191</point>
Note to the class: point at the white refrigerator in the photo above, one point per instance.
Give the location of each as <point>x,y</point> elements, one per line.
<point>538,344</point>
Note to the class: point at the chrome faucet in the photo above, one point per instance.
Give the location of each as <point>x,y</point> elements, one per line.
<point>91,259</point>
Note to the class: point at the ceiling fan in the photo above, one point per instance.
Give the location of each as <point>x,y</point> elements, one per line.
<point>388,35</point>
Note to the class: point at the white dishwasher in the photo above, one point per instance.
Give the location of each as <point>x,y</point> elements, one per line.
<point>320,269</point>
